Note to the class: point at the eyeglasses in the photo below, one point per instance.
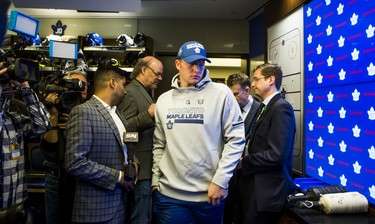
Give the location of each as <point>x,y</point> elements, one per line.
<point>257,79</point>
<point>157,74</point>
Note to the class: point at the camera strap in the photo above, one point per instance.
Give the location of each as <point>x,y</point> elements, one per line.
<point>17,127</point>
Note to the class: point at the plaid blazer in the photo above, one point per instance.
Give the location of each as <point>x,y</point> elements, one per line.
<point>94,154</point>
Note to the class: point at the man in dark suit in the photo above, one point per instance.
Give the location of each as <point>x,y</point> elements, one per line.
<point>266,179</point>
<point>239,83</point>
<point>96,154</point>
<point>138,109</point>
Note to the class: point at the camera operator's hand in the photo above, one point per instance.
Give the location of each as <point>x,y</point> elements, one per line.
<point>57,116</point>
<point>22,87</point>
<point>24,84</point>
<point>2,70</point>
<point>51,99</point>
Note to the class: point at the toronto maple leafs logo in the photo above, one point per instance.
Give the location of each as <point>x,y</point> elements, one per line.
<point>343,180</point>
<point>59,28</point>
<point>170,125</point>
<point>283,92</point>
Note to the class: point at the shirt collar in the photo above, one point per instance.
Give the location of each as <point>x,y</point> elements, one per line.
<point>268,99</point>
<point>106,106</point>
<point>247,107</point>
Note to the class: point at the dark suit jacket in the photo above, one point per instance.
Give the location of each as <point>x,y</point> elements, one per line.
<point>250,116</point>
<point>134,108</point>
<point>95,155</point>
<point>267,169</point>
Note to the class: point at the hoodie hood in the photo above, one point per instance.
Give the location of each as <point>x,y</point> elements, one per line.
<point>204,81</point>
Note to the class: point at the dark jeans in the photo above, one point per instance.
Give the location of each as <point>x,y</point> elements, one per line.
<point>59,196</point>
<point>142,204</point>
<point>170,211</point>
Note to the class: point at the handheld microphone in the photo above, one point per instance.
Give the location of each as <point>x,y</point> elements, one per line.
<point>130,137</point>
<point>132,169</point>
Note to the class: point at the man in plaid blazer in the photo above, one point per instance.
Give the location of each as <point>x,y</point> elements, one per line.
<point>96,154</point>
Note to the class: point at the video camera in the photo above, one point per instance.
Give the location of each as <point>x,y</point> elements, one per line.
<point>69,91</point>
<point>20,69</point>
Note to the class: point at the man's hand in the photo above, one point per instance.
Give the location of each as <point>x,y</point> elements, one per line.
<point>136,168</point>
<point>51,99</point>
<point>60,118</point>
<point>215,194</point>
<point>151,110</point>
<point>127,185</point>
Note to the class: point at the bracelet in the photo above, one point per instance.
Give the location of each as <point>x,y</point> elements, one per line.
<point>55,128</point>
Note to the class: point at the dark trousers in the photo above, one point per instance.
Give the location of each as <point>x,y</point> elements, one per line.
<point>249,211</point>
<point>232,208</point>
<point>139,203</point>
<point>59,195</point>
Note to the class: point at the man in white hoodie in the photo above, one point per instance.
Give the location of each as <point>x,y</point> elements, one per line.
<point>198,141</point>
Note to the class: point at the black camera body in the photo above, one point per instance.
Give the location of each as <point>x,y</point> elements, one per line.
<point>69,91</point>
<point>18,68</point>
<point>21,70</point>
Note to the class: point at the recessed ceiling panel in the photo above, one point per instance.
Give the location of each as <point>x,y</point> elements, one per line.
<point>84,5</point>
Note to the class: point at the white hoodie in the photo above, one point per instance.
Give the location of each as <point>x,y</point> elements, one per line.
<point>199,138</point>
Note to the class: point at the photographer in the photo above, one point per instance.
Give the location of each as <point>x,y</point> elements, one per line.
<point>60,185</point>
<point>15,128</point>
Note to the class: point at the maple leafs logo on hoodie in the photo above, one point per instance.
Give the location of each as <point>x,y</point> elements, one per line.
<point>170,125</point>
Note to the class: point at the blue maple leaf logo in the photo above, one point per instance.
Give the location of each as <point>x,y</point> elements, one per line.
<point>59,28</point>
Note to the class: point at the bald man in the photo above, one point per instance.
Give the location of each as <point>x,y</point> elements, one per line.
<point>138,109</point>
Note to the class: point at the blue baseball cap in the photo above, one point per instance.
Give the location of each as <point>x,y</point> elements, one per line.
<point>192,51</point>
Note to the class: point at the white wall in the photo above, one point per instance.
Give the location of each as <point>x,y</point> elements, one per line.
<point>213,34</point>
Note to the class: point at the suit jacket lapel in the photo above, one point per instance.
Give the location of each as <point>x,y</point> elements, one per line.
<point>107,117</point>
<point>144,92</point>
<point>250,116</point>
<point>269,106</point>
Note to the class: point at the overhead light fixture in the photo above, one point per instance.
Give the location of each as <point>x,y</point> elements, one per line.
<point>224,62</point>
<point>229,45</point>
<point>107,6</point>
<point>89,11</point>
